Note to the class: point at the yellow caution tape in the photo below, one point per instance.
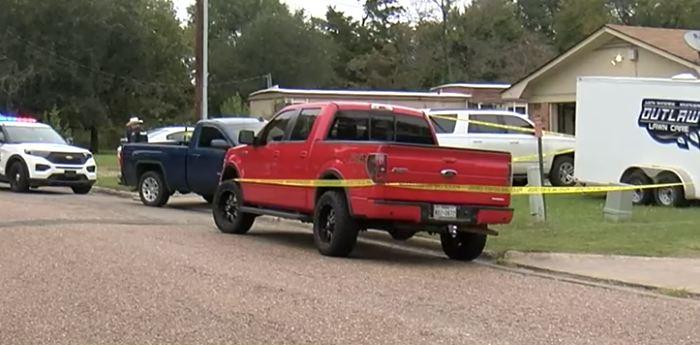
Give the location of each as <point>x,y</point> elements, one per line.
<point>457,187</point>
<point>535,156</point>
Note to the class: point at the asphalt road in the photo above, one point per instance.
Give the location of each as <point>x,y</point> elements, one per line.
<point>97,269</point>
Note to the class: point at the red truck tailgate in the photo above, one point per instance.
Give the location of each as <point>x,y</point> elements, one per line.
<point>443,165</point>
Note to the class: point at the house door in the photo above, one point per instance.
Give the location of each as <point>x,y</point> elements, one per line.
<point>566,118</point>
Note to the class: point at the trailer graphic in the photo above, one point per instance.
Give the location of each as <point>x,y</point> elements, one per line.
<point>671,121</point>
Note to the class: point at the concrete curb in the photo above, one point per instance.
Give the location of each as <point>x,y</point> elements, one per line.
<point>113,192</point>
<point>654,289</point>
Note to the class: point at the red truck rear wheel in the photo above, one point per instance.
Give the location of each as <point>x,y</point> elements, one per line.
<point>465,246</point>
<point>335,230</point>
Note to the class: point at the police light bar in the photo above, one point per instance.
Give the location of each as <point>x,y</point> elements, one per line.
<point>4,118</point>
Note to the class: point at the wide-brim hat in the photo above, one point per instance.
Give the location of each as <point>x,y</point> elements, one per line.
<point>133,121</point>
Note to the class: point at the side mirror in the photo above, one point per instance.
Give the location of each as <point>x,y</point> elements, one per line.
<point>220,144</point>
<point>246,137</point>
<point>69,140</point>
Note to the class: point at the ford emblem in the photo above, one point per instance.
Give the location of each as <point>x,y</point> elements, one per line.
<point>69,157</point>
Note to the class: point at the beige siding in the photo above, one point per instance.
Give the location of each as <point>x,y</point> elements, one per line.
<point>559,85</point>
<point>265,107</point>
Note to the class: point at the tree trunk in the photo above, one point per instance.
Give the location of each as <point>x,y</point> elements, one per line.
<point>94,140</point>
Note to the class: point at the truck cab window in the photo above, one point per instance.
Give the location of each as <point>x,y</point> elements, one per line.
<point>511,120</point>
<point>276,128</point>
<point>207,135</point>
<point>477,128</point>
<point>303,124</point>
<point>380,125</point>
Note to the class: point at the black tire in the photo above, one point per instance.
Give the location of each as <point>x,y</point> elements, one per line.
<point>152,189</point>
<point>208,198</point>
<point>521,182</point>
<point>670,196</point>
<point>226,210</point>
<point>335,230</point>
<point>401,235</point>
<point>556,175</point>
<point>641,197</point>
<point>465,246</point>
<point>81,189</point>
<point>18,177</point>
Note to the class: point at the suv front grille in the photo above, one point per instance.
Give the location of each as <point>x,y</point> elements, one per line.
<point>66,158</point>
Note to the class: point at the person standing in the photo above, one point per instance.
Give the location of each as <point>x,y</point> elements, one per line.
<point>134,133</point>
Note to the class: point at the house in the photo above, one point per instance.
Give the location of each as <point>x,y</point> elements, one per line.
<point>267,102</point>
<point>485,95</point>
<point>613,50</point>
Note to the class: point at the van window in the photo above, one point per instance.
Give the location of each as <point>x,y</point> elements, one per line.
<point>380,125</point>
<point>443,124</point>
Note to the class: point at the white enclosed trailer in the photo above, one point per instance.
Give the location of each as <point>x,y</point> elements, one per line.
<point>640,131</point>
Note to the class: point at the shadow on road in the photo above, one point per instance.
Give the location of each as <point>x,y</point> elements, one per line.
<point>43,191</point>
<point>364,251</point>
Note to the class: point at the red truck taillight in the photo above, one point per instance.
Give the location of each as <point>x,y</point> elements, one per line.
<point>376,167</point>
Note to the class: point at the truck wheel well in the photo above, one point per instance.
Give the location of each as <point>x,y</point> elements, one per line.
<point>321,190</point>
<point>229,173</point>
<point>11,161</point>
<point>146,167</point>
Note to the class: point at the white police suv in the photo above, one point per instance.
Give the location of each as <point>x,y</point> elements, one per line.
<point>33,155</point>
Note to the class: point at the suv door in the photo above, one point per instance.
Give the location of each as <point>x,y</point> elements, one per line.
<point>485,137</point>
<point>261,161</point>
<point>523,143</point>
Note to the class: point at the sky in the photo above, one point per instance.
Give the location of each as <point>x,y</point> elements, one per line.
<point>316,8</point>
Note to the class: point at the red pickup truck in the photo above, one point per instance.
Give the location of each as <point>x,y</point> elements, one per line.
<point>349,142</point>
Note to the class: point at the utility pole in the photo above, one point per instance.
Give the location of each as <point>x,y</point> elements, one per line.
<point>201,19</point>
<point>199,61</point>
<point>205,59</point>
<point>445,6</point>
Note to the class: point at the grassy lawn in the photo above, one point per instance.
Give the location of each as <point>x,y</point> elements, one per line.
<point>107,170</point>
<point>575,224</point>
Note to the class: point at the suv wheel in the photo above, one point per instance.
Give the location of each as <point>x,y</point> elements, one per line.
<point>18,177</point>
<point>464,246</point>
<point>562,172</point>
<point>226,210</point>
<point>152,189</point>
<point>335,231</point>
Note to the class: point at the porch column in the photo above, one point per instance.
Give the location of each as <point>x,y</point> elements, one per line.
<point>541,109</point>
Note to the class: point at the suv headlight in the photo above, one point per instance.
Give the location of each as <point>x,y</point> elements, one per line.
<point>87,155</point>
<point>37,153</point>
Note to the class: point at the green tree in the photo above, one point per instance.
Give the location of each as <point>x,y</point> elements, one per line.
<point>235,105</point>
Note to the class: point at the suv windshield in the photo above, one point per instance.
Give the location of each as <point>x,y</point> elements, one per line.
<point>16,134</point>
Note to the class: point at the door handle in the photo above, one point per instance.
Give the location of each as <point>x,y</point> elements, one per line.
<point>275,154</point>
<point>477,141</point>
<point>303,154</point>
<point>196,155</point>
<point>515,142</point>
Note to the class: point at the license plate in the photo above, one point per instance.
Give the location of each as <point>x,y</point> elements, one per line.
<point>444,212</point>
<point>70,172</point>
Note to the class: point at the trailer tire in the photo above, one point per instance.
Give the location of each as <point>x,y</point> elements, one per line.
<point>670,196</point>
<point>335,230</point>
<point>641,196</point>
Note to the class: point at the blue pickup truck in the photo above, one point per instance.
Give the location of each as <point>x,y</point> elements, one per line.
<point>157,171</point>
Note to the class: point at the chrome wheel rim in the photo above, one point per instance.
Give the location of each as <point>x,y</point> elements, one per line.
<point>149,189</point>
<point>666,196</point>
<point>566,173</point>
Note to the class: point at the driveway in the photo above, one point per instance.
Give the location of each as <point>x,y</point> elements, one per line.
<point>97,269</point>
